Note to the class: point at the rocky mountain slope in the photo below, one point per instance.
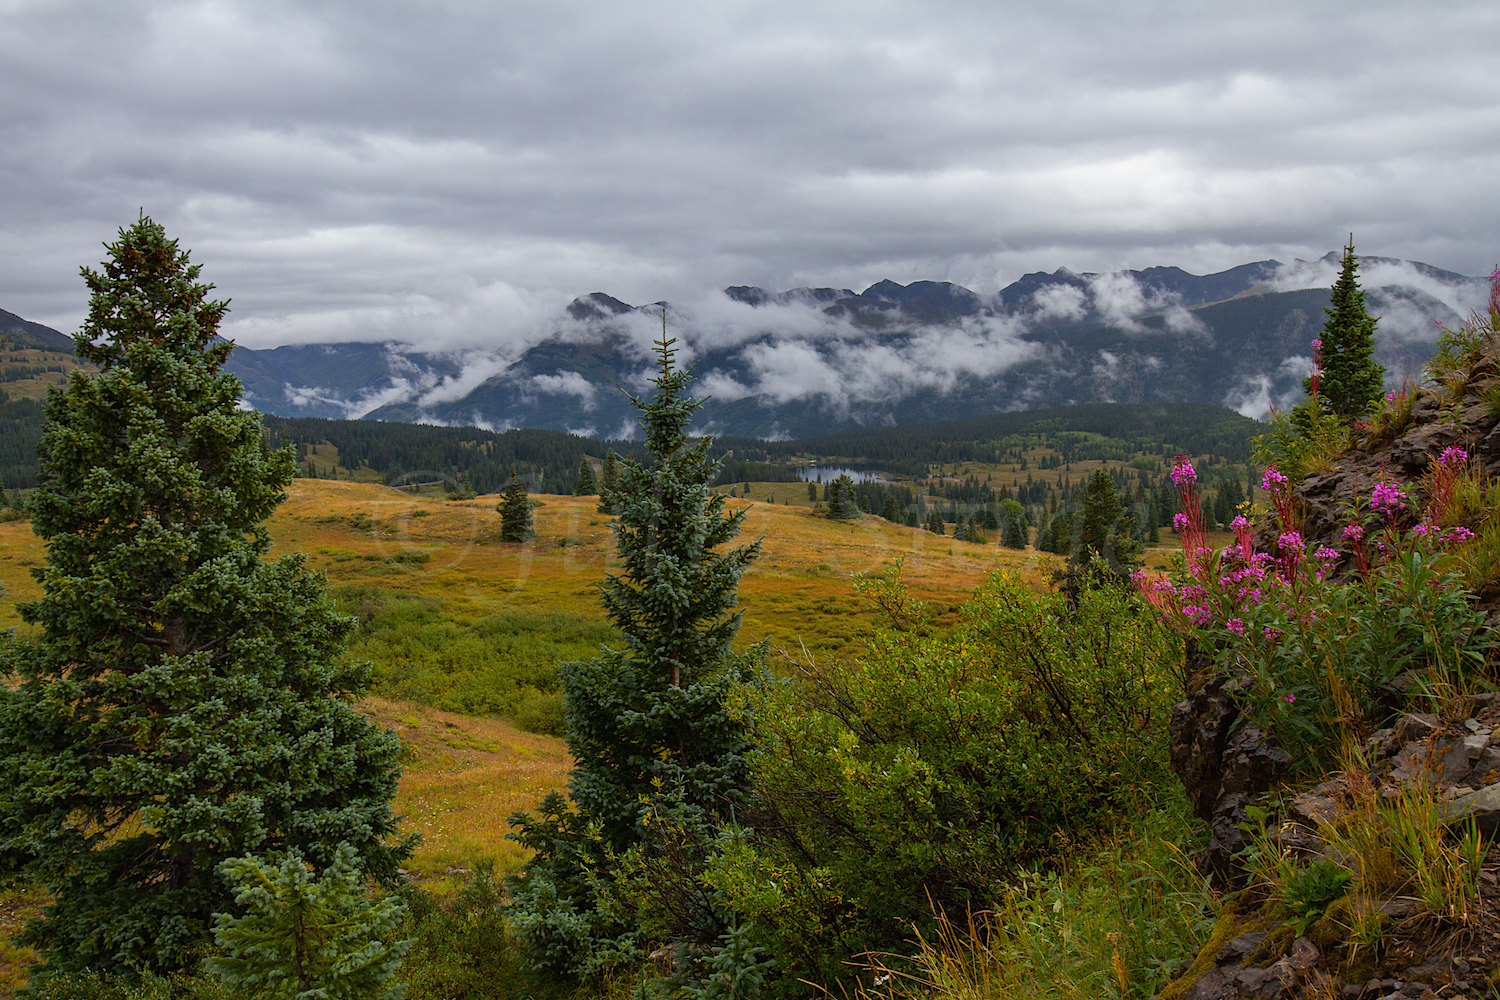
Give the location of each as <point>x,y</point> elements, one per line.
<point>1435,767</point>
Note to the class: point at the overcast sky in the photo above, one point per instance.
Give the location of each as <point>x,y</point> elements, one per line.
<point>452,174</point>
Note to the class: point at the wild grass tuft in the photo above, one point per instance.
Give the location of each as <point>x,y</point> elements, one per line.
<point>1119,918</point>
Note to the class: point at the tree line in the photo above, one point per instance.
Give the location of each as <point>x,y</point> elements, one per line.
<point>1088,432</point>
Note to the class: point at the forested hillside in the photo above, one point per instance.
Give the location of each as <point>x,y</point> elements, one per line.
<point>1089,432</point>
<point>411,453</point>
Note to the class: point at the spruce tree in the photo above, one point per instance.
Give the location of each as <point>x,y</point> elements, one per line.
<point>185,700</point>
<point>843,503</point>
<point>936,524</point>
<point>586,487</point>
<point>1351,378</point>
<point>303,933</point>
<point>1105,530</point>
<point>609,483</point>
<point>515,510</point>
<point>891,508</point>
<point>648,723</point>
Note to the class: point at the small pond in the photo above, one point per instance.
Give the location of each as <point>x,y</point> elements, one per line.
<point>828,473</point>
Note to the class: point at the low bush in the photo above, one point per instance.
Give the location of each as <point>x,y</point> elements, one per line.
<point>1118,916</point>
<point>930,772</point>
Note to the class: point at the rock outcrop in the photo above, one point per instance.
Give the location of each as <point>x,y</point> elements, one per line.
<point>1404,950</point>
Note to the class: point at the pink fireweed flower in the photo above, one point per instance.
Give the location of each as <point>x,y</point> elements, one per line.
<point>1457,535</point>
<point>1183,472</point>
<point>1444,474</point>
<point>1390,397</point>
<point>1180,521</point>
<point>1289,697</point>
<point>1236,626</point>
<point>1272,480</point>
<point>1291,545</point>
<point>1271,633</point>
<point>1453,455</point>
<point>1354,533</point>
<point>1325,553</point>
<point>1317,345</point>
<point>1244,537</point>
<point>1421,530</point>
<point>1388,499</point>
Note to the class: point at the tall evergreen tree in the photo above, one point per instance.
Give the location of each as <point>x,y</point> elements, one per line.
<point>186,700</point>
<point>1351,377</point>
<point>587,486</point>
<point>515,510</point>
<point>647,723</point>
<point>936,524</point>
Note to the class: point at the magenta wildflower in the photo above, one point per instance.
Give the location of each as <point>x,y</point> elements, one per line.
<point>1239,523</point>
<point>1390,397</point>
<point>1457,536</point>
<point>1453,455</point>
<point>1387,497</point>
<point>1272,480</point>
<point>1271,633</point>
<point>1317,345</point>
<point>1291,541</point>
<point>1183,472</point>
<point>1354,533</point>
<point>1236,626</point>
<point>1289,697</point>
<point>1180,521</point>
<point>1325,553</point>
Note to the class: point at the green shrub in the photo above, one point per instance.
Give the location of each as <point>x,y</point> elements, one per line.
<point>1120,915</point>
<point>927,773</point>
<point>502,664</point>
<point>465,949</point>
<point>1311,890</point>
<point>542,712</point>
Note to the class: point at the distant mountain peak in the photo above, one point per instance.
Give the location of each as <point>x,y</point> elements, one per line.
<point>597,305</point>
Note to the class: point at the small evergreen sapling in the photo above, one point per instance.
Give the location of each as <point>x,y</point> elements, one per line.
<point>515,510</point>
<point>587,486</point>
<point>186,700</point>
<point>307,937</point>
<point>609,482</point>
<point>842,502</point>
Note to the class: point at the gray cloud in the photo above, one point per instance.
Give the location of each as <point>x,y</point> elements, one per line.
<point>452,174</point>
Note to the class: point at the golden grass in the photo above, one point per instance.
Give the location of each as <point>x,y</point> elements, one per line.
<point>462,778</point>
<point>797,590</point>
<point>16,907</point>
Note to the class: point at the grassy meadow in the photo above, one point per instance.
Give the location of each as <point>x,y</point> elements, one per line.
<point>463,632</point>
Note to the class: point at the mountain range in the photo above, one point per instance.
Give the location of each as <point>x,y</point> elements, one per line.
<point>809,360</point>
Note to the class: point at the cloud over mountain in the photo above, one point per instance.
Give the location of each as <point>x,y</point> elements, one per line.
<point>804,359</point>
